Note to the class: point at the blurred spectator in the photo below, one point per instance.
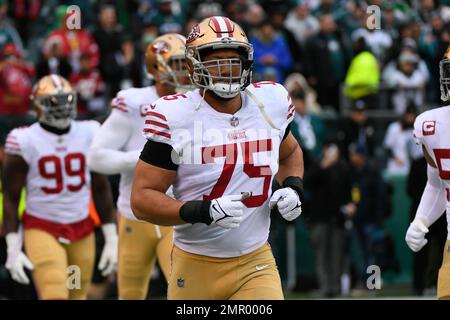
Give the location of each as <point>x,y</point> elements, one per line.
<point>8,33</point>
<point>208,8</point>
<point>357,128</point>
<point>389,21</point>
<point>327,56</point>
<point>116,50</point>
<point>307,128</point>
<point>295,83</point>
<point>330,7</point>
<point>354,17</point>
<point>399,141</point>
<point>377,40</point>
<point>54,61</point>
<point>89,85</point>
<point>165,18</point>
<point>15,88</point>
<point>327,218</point>
<point>369,195</point>
<point>25,14</point>
<point>16,75</point>
<point>408,79</point>
<point>444,41</point>
<point>302,23</point>
<point>74,43</point>
<point>429,51</point>
<point>271,53</point>
<point>277,18</point>
<point>426,11</point>
<point>252,17</point>
<point>363,75</point>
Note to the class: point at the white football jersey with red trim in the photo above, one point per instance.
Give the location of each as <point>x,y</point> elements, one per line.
<point>222,154</point>
<point>58,180</point>
<point>432,131</point>
<point>132,103</point>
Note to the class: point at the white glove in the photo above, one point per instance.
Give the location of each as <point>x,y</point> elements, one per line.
<point>415,236</point>
<point>227,211</point>
<point>288,202</point>
<point>108,260</point>
<point>17,260</point>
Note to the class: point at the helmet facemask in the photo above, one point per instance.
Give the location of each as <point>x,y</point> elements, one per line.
<point>225,77</point>
<point>444,72</point>
<point>175,73</point>
<point>57,110</point>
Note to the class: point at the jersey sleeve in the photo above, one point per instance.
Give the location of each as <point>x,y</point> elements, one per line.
<point>93,127</point>
<point>120,104</point>
<point>105,154</point>
<point>424,126</point>
<point>16,144</point>
<point>157,125</point>
<point>417,132</point>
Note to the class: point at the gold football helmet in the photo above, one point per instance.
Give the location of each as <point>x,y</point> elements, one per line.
<point>215,33</point>
<point>444,72</point>
<point>166,61</point>
<point>55,101</point>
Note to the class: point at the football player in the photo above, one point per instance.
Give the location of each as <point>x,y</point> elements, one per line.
<point>219,146</point>
<point>49,159</point>
<point>116,148</point>
<point>432,131</point>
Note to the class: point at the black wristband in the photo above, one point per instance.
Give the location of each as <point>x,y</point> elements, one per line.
<point>196,211</point>
<point>295,183</point>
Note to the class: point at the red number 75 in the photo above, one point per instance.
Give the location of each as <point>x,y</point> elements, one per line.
<point>229,152</point>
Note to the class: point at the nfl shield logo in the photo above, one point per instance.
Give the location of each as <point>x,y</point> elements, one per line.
<point>180,282</point>
<point>234,121</point>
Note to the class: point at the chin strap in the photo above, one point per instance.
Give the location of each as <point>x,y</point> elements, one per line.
<point>261,108</point>
<point>197,107</point>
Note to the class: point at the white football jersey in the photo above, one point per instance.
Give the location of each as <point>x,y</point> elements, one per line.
<point>132,103</point>
<point>58,180</point>
<point>432,130</point>
<point>222,154</point>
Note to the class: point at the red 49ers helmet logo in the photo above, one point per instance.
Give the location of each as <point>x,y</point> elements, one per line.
<point>428,128</point>
<point>160,47</point>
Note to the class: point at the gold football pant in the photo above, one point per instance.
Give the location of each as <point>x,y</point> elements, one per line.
<point>140,243</point>
<point>61,271</point>
<point>444,274</point>
<point>253,276</point>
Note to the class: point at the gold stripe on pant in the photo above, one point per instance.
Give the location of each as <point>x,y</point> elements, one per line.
<point>140,244</point>
<point>54,274</point>
<point>253,276</point>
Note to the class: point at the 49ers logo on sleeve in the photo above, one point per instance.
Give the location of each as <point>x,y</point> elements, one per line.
<point>428,128</point>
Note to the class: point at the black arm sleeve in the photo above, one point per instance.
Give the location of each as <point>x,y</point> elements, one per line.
<point>288,129</point>
<point>159,155</point>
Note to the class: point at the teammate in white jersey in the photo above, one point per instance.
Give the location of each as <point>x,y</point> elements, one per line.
<point>432,131</point>
<point>49,159</point>
<point>220,146</point>
<point>116,148</point>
